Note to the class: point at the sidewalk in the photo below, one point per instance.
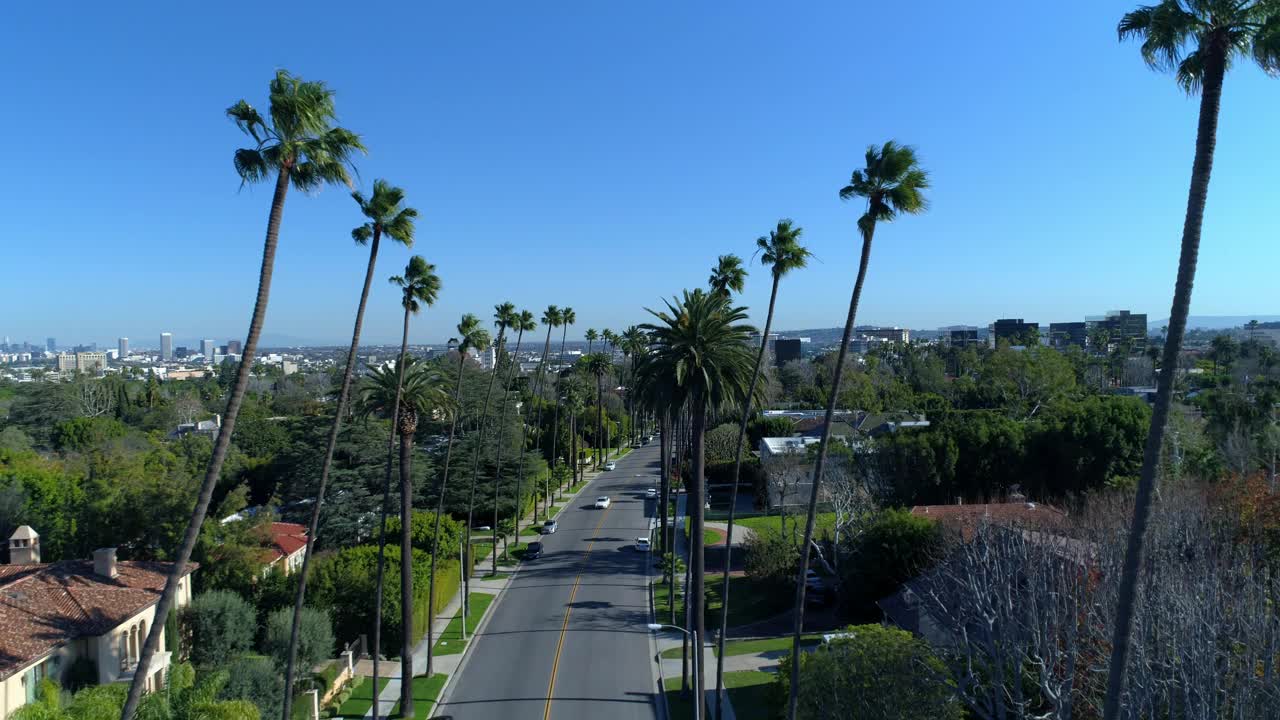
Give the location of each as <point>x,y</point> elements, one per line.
<point>448,664</point>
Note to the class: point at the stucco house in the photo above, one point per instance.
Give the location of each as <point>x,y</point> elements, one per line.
<point>52,614</point>
<point>286,549</point>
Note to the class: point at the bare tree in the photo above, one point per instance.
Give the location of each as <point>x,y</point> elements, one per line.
<point>186,408</point>
<point>92,397</point>
<point>854,490</point>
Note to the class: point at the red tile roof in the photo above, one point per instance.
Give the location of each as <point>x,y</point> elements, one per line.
<point>44,606</point>
<point>966,518</point>
<point>286,539</point>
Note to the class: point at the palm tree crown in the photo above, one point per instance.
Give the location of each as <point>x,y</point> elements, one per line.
<point>1185,35</point>
<point>387,215</point>
<point>702,346</point>
<point>781,251</point>
<point>551,316</point>
<point>297,136</point>
<point>471,335</point>
<point>524,322</point>
<point>892,182</point>
<point>424,390</point>
<point>419,285</point>
<point>727,276</point>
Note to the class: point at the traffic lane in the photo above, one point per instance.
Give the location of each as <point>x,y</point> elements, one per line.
<point>508,669</point>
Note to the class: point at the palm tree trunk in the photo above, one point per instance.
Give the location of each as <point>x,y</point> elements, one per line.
<point>475,475</point>
<point>501,441</point>
<point>290,672</point>
<point>599,417</point>
<point>435,542</point>
<point>214,471</point>
<point>555,422</point>
<point>1206,138</point>
<point>697,561</point>
<point>406,574</point>
<point>386,502</point>
<point>537,425</point>
<point>863,262</point>
<point>733,497</point>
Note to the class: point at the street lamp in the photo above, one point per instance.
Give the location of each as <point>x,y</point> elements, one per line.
<point>697,661</point>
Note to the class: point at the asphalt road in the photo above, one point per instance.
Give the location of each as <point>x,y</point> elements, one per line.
<point>567,638</point>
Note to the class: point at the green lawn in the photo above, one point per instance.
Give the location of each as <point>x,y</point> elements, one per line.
<point>531,530</point>
<point>825,522</point>
<point>750,694</point>
<point>450,642</point>
<point>680,705</point>
<point>750,603</point>
<point>361,698</point>
<point>753,647</point>
<point>425,692</point>
<point>578,487</point>
<point>709,537</point>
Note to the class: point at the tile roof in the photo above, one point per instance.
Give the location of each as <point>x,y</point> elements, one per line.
<point>44,606</point>
<point>286,539</point>
<point>966,518</point>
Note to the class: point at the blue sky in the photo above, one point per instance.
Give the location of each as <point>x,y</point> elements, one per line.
<point>601,155</point>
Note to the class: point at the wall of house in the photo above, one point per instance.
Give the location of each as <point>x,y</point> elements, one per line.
<point>13,689</point>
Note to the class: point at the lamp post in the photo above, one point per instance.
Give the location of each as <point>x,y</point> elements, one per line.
<point>697,660</point>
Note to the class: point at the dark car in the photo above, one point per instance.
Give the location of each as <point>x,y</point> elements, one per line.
<point>533,550</point>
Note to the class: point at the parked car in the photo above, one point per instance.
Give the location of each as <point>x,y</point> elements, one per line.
<point>602,502</point>
<point>549,527</point>
<point>642,544</point>
<point>651,493</point>
<point>611,465</point>
<point>533,551</point>
<point>814,581</point>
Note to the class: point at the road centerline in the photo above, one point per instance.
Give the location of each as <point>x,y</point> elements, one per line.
<point>564,629</point>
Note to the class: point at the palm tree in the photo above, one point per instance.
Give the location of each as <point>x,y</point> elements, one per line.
<point>892,183</point>
<point>503,318</point>
<point>470,335</point>
<point>598,364</point>
<point>634,342</point>
<point>728,276</point>
<point>567,318</point>
<point>300,144</point>
<point>402,394</point>
<point>591,336</point>
<point>551,319</point>
<point>610,339</point>
<point>700,350</point>
<point>1198,40</point>
<point>524,323</point>
<point>782,252</point>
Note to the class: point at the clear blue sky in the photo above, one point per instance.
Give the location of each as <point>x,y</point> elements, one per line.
<point>602,154</point>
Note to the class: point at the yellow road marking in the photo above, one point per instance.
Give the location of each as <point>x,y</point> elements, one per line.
<point>555,664</point>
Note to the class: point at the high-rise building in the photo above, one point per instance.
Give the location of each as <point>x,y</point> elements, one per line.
<point>893,334</point>
<point>50,344</point>
<point>123,347</point>
<point>960,335</point>
<point>233,347</point>
<point>166,346</point>
<point>1121,326</point>
<point>785,350</point>
<point>206,349</point>
<point>288,367</point>
<point>1014,331</point>
<point>66,362</point>
<point>91,362</point>
<point>181,352</point>
<point>1066,334</point>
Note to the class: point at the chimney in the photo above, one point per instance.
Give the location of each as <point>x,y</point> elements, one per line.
<point>104,562</point>
<point>24,546</point>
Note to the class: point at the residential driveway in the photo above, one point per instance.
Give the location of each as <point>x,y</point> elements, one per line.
<point>567,639</point>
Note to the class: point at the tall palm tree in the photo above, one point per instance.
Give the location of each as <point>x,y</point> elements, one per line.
<point>524,323</point>
<point>782,252</point>
<point>892,183</point>
<point>700,349</point>
<point>634,342</point>
<point>598,364</point>
<point>551,319</point>
<point>567,318</point>
<point>471,334</point>
<point>503,318</point>
<point>300,144</point>
<point>610,339</point>
<point>1198,40</point>
<point>728,276</point>
<point>403,394</point>
<point>591,336</point>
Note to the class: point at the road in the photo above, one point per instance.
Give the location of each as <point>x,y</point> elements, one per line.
<point>567,638</point>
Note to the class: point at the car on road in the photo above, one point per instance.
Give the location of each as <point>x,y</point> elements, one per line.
<point>611,465</point>
<point>814,581</point>
<point>549,527</point>
<point>642,544</point>
<point>651,493</point>
<point>602,502</point>
<point>533,550</point>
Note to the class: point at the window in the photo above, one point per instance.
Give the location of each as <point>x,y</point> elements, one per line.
<point>38,673</point>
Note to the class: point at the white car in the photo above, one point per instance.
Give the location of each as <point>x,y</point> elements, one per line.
<point>602,502</point>
<point>651,493</point>
<point>642,544</point>
<point>611,465</point>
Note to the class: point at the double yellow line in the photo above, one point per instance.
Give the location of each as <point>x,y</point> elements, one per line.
<point>564,629</point>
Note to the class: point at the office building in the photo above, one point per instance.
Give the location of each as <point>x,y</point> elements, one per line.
<point>288,367</point>
<point>233,347</point>
<point>181,352</point>
<point>206,349</point>
<point>1014,331</point>
<point>960,336</point>
<point>893,334</point>
<point>1121,326</point>
<point>66,362</point>
<point>166,346</point>
<point>785,350</point>
<point>91,362</point>
<point>50,344</point>
<point>1065,334</point>
<point>122,348</point>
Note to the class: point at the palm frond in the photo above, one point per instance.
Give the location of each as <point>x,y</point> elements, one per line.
<point>250,165</point>
<point>362,234</point>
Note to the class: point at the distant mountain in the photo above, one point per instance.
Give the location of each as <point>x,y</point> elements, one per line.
<point>1215,322</point>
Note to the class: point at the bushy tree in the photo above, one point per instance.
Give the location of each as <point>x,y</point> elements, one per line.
<point>221,625</point>
<point>315,637</point>
<point>771,559</point>
<point>256,680</point>
<point>894,548</point>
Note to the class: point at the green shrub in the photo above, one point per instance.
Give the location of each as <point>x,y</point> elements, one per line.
<point>895,548</point>
<point>315,637</point>
<point>221,625</point>
<point>772,559</point>
<point>256,680</point>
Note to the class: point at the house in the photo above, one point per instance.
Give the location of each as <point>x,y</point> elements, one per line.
<point>208,428</point>
<point>286,548</point>
<point>95,613</point>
